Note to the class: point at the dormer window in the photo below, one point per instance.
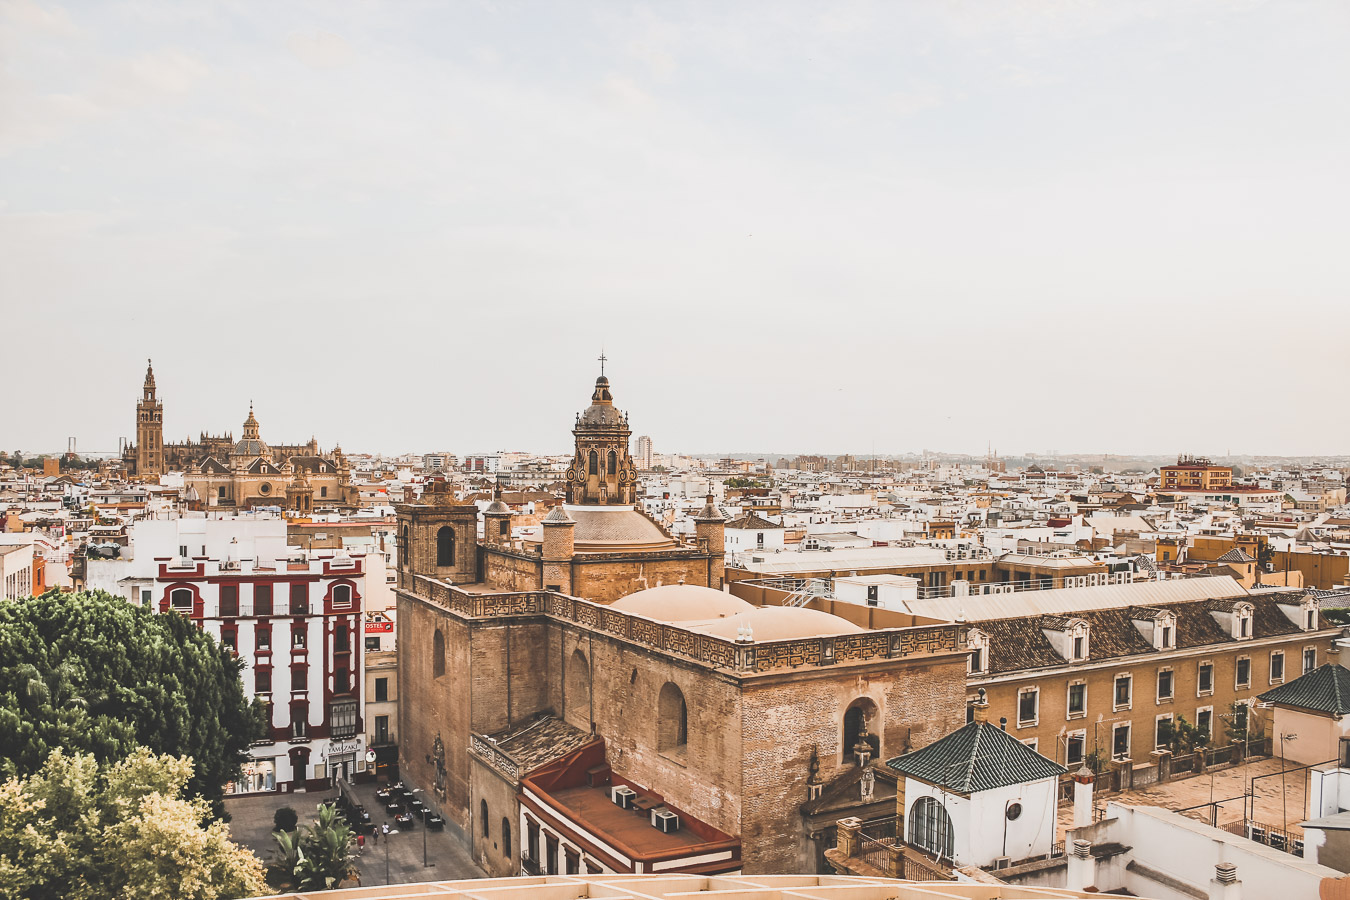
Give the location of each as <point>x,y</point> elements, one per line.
<point>1310,618</point>
<point>1242,621</point>
<point>978,661</point>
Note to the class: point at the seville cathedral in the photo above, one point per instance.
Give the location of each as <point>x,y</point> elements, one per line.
<point>594,700</point>
<point>222,473</point>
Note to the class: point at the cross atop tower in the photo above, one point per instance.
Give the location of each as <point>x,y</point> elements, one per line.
<point>602,360</point>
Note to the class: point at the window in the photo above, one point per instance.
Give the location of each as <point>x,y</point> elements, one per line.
<point>381,729</point>
<point>342,639</point>
<point>976,662</point>
<point>342,596</point>
<point>1124,686</point>
<point>381,690</point>
<point>1246,626</point>
<point>1166,639</point>
<point>298,638</point>
<point>1032,743</point>
<point>1309,659</point>
<point>1120,742</point>
<point>483,816</point>
<point>372,644</point>
<point>262,600</point>
<point>1276,667</point>
<point>342,718</point>
<point>1080,648</point>
<point>1077,700</point>
<point>1244,672</point>
<point>145,597</point>
<point>298,679</point>
<point>1028,706</point>
<point>323,492</point>
<point>262,636</point>
<point>341,680</point>
<point>1162,732</point>
<point>1204,721</point>
<point>181,599</point>
<point>1073,748</point>
<point>673,720</point>
<point>930,828</point>
<point>229,639</point>
<point>1164,684</point>
<point>1204,682</point>
<point>872,592</point>
<point>262,681</point>
<point>613,462</point>
<point>855,725</point>
<point>506,837</point>
<point>299,599</point>
<point>299,720</point>
<point>438,654</point>
<point>445,546</point>
<point>229,600</point>
<point>594,463</point>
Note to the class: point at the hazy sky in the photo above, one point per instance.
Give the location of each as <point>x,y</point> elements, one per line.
<point>822,227</point>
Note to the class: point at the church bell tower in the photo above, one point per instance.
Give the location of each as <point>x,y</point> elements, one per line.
<point>149,429</point>
<point>602,472</point>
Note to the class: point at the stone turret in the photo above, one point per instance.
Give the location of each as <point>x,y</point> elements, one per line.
<point>710,530</point>
<point>558,549</point>
<point>497,519</point>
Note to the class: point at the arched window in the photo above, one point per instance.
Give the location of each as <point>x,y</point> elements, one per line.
<point>404,547</point>
<point>180,599</point>
<point>858,714</point>
<point>445,546</point>
<point>613,462</point>
<point>483,814</point>
<point>673,725</point>
<point>504,528</point>
<point>577,708</point>
<point>595,463</point>
<point>930,828</point>
<point>506,838</point>
<point>438,654</point>
<point>342,596</point>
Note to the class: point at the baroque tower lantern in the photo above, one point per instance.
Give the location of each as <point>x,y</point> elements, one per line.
<point>602,472</point>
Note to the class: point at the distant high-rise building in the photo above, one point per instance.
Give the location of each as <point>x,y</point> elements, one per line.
<point>644,452</point>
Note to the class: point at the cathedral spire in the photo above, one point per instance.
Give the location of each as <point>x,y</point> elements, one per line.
<point>149,380</point>
<point>602,472</point>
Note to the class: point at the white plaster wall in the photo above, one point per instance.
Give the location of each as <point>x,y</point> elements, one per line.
<point>1031,834</point>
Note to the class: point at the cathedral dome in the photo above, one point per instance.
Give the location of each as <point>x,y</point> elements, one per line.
<point>779,623</point>
<point>603,529</point>
<point>682,603</point>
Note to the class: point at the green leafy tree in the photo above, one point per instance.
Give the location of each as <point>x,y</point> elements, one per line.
<point>317,857</point>
<point>285,819</point>
<point>78,830</point>
<point>91,673</point>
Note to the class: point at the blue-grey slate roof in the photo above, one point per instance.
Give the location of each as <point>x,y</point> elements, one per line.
<point>978,757</point>
<point>1326,689</point>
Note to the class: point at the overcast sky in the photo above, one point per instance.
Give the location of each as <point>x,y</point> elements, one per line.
<point>813,227</point>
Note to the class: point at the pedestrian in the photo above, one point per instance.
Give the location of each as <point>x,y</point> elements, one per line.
<point>360,842</point>
<point>385,829</point>
<point>375,836</point>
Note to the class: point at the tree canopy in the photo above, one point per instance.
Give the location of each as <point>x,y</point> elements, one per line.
<point>91,673</point>
<point>78,830</point>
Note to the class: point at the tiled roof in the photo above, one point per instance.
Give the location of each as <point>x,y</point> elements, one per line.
<point>1236,555</point>
<point>978,757</point>
<point>541,742</point>
<point>1020,643</point>
<point>1325,689</point>
<point>751,521</point>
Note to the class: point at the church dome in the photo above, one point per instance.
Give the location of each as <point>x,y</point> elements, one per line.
<point>604,529</point>
<point>682,603</point>
<point>780,623</point>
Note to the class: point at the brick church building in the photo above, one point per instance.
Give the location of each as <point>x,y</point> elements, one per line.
<point>594,701</point>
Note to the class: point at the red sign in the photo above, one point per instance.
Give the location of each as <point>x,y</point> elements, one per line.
<point>379,628</point>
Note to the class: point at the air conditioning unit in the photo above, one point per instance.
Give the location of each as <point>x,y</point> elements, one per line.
<point>623,796</point>
<point>1002,862</point>
<point>665,820</point>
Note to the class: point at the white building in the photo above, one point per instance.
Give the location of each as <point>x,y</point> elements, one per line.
<point>978,796</point>
<point>295,619</point>
<point>16,571</point>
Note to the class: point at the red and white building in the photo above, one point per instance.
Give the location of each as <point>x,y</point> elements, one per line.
<point>295,618</point>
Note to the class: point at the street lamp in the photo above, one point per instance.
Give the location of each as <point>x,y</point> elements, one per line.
<point>425,864</point>
<point>1284,790</point>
